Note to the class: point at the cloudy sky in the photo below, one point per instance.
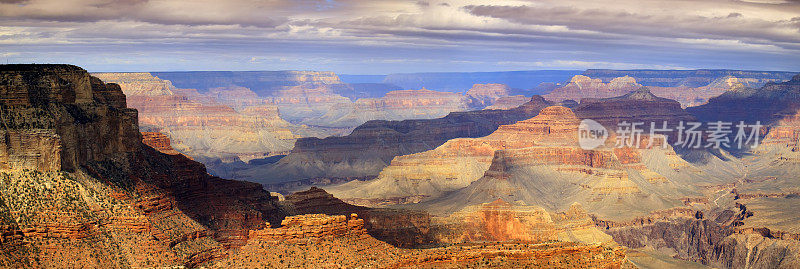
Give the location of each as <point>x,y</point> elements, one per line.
<point>379,37</point>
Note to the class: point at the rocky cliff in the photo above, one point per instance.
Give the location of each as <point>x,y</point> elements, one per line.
<point>102,198</point>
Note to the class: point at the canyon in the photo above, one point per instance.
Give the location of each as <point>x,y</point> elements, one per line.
<point>68,201</point>
<point>371,146</point>
<point>227,125</point>
<point>548,141</point>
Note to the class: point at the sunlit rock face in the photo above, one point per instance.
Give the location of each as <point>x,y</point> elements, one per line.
<point>585,88</point>
<point>54,115</point>
<point>225,123</point>
<point>506,221</point>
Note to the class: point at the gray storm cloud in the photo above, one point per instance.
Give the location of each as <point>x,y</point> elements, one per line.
<point>392,36</point>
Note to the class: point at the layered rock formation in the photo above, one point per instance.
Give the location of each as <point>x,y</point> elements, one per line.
<point>548,140</point>
<point>583,87</point>
<point>456,163</point>
<point>118,203</point>
<point>402,228</point>
<point>395,105</point>
<point>264,83</point>
<point>310,227</point>
<point>749,221</point>
<point>114,202</point>
<point>508,102</point>
<point>208,126</point>
<point>158,141</point>
<point>689,78</point>
<point>371,146</point>
<point>484,95</point>
<point>640,105</point>
<point>502,221</point>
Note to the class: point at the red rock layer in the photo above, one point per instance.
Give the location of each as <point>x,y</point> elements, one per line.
<point>159,142</point>
<point>310,227</point>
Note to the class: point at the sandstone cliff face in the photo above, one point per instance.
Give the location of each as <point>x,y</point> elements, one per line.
<point>41,102</point>
<point>371,146</point>
<point>114,202</point>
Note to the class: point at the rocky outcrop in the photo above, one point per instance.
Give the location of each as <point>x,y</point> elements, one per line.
<point>371,146</point>
<point>402,228</point>
<point>768,104</point>
<point>302,228</point>
<point>43,101</point>
<point>710,243</point>
<point>96,196</point>
<point>502,221</point>
<point>354,252</point>
<point>158,141</point>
